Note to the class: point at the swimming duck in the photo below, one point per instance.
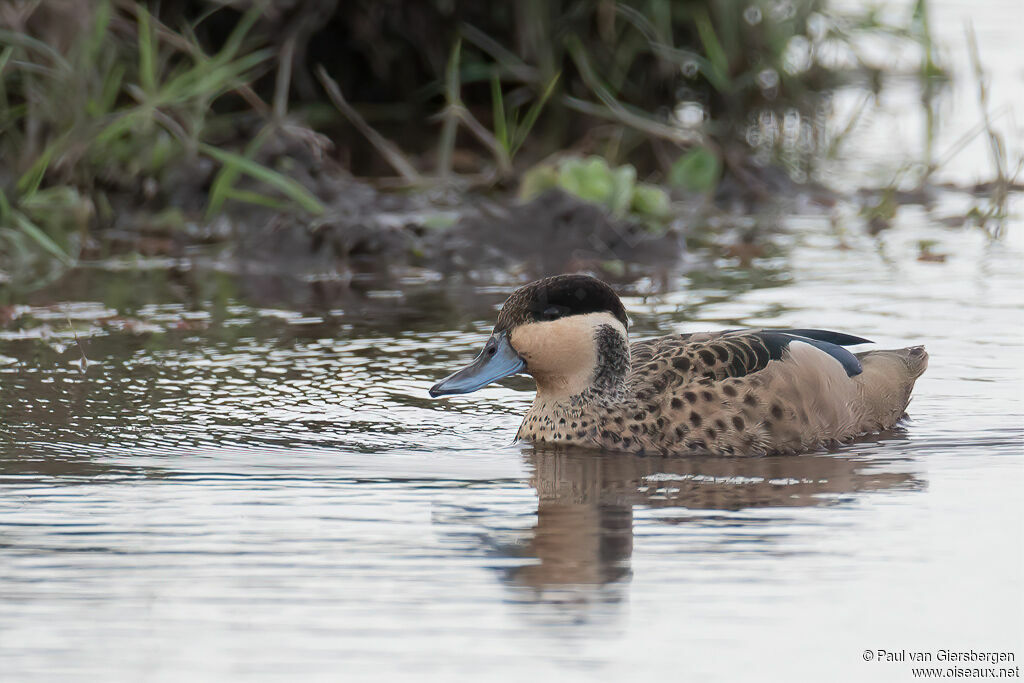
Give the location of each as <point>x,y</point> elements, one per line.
<point>734,392</point>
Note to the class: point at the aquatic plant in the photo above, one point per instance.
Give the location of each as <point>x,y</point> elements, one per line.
<point>113,106</point>
<point>112,117</point>
<point>593,180</point>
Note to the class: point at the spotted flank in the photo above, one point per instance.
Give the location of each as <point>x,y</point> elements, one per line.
<point>737,392</point>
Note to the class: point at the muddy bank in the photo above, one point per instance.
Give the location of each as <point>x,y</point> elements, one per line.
<point>365,230</point>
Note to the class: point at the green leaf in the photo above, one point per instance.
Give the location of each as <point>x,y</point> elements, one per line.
<point>651,200</point>
<point>697,171</point>
<point>623,183</point>
<point>589,179</point>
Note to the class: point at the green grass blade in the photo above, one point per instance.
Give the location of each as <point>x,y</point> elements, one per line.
<point>719,62</point>
<point>111,88</point>
<point>498,108</point>
<point>523,131</point>
<point>9,120</point>
<point>98,36</point>
<point>147,52</point>
<point>119,126</point>
<point>40,237</point>
<point>27,42</point>
<point>256,198</point>
<point>220,189</point>
<point>234,42</point>
<point>207,80</point>
<point>5,56</point>
<point>223,184</point>
<point>29,182</point>
<point>452,81</point>
<point>291,189</point>
<point>453,98</point>
<point>5,208</point>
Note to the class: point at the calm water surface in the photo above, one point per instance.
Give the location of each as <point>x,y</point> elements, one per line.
<point>252,493</point>
<point>245,496</point>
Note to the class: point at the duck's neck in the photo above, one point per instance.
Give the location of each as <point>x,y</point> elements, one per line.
<point>568,405</point>
<point>602,382</point>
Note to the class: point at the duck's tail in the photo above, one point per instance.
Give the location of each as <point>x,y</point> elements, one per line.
<point>886,383</point>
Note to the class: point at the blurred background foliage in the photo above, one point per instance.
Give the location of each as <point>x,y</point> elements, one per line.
<point>177,111</point>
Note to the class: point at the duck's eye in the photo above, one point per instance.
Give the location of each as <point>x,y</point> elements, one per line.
<point>553,312</point>
<point>490,350</point>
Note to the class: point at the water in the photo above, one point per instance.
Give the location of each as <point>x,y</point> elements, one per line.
<point>246,497</point>
<point>250,493</point>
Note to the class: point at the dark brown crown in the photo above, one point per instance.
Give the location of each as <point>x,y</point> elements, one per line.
<point>558,297</point>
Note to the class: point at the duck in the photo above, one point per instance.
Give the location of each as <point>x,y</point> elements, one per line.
<point>730,392</point>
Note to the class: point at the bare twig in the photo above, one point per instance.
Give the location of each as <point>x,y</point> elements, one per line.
<point>996,145</point>
<point>83,364</point>
<point>450,125</point>
<point>465,117</point>
<point>960,143</point>
<point>613,109</point>
<point>508,60</point>
<point>387,149</point>
<point>630,120</point>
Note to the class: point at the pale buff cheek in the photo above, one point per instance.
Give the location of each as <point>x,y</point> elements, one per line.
<point>547,352</point>
<point>563,348</point>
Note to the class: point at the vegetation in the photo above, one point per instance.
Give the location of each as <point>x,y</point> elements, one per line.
<point>110,121</point>
<point>113,106</point>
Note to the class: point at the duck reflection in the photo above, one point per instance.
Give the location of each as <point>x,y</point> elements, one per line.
<point>584,530</point>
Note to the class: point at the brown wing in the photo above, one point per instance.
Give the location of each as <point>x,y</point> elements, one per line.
<point>668,362</point>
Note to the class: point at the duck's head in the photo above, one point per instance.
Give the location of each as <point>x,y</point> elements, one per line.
<point>567,331</point>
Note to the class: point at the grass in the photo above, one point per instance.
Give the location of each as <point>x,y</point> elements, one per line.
<point>110,117</point>
<point>511,131</point>
<point>126,104</point>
